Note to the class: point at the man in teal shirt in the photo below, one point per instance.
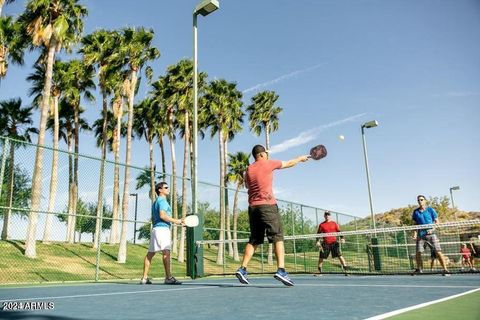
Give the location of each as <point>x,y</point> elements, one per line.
<point>426,237</point>
<point>161,237</point>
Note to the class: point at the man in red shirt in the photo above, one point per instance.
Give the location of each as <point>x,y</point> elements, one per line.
<point>329,243</point>
<point>263,213</point>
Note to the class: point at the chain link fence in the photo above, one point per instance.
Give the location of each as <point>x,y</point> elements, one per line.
<point>69,219</point>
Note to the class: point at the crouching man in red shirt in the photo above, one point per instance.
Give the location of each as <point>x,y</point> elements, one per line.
<point>330,243</point>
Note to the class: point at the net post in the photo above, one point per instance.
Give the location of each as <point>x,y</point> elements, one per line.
<point>377,262</point>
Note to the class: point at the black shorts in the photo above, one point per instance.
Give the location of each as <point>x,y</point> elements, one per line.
<point>265,219</point>
<point>326,248</point>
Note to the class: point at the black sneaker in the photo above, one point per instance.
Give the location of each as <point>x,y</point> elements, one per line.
<point>446,273</point>
<point>172,280</point>
<point>145,281</point>
<point>345,271</point>
<point>417,272</point>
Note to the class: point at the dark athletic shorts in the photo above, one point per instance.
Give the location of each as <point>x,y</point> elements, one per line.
<point>334,248</point>
<point>265,219</point>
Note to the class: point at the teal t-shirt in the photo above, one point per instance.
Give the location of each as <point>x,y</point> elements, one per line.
<point>160,204</point>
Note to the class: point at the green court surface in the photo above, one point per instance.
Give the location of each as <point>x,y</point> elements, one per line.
<point>466,307</point>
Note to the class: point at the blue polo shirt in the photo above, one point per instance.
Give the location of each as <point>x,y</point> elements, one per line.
<point>427,216</point>
<point>160,204</point>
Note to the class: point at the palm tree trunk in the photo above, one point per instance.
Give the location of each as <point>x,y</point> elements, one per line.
<point>236,257</point>
<point>71,189</point>
<point>98,223</point>
<point>221,237</point>
<point>30,242</point>
<point>152,171</point>
<point>118,111</point>
<point>162,153</point>
<point>122,250</point>
<point>181,250</point>
<point>53,180</point>
<point>71,238</point>
<point>227,209</point>
<point>174,196</point>
<point>8,215</point>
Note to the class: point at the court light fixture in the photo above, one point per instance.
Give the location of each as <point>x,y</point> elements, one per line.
<point>206,7</point>
<point>370,124</point>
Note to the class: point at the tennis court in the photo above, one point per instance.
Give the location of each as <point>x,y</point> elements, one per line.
<point>331,296</point>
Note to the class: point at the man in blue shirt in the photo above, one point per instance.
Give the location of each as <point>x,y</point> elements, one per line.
<point>426,237</point>
<point>160,238</point>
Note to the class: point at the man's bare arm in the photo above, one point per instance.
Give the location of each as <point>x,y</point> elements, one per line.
<point>293,162</point>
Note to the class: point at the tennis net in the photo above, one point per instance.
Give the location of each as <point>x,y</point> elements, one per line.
<point>372,251</point>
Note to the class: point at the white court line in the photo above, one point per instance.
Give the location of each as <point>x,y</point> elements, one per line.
<point>380,285</point>
<point>101,294</point>
<point>418,306</point>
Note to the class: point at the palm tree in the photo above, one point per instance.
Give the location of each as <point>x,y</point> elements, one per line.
<point>53,25</point>
<point>58,82</point>
<point>224,104</point>
<point>15,122</point>
<point>98,49</point>
<point>237,166</point>
<point>4,2</point>
<point>136,50</point>
<point>12,44</point>
<point>263,116</point>
<point>180,94</point>
<point>78,84</point>
<point>144,125</point>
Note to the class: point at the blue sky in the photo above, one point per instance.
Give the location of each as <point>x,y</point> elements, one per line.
<point>413,65</point>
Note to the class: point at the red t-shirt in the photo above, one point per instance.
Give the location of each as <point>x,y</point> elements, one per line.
<point>327,227</point>
<point>465,253</point>
<point>259,179</point>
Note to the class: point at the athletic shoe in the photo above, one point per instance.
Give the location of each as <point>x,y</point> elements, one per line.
<point>446,273</point>
<point>172,280</point>
<point>283,277</point>
<point>417,272</point>
<point>318,275</point>
<point>241,274</point>
<point>345,270</point>
<point>145,281</point>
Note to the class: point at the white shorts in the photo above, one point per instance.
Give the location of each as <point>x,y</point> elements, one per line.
<point>160,239</point>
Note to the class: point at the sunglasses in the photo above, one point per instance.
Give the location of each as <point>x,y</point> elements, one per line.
<point>421,199</point>
<point>166,187</point>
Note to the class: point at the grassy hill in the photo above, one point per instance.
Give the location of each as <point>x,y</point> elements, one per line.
<point>403,216</point>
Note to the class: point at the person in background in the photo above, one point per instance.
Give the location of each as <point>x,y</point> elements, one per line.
<point>421,216</point>
<point>330,243</point>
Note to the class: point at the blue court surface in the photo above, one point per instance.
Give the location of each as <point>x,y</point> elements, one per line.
<point>327,297</point>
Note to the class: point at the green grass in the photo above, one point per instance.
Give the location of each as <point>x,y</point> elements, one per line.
<point>59,262</point>
<point>466,307</point>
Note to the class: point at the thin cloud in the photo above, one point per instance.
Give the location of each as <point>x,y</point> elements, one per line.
<point>462,94</point>
<point>282,78</point>
<point>311,134</point>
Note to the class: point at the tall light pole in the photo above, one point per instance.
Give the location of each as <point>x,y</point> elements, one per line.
<point>368,125</point>
<point>204,8</point>
<point>451,194</point>
<point>376,252</point>
<point>135,221</point>
<point>453,203</point>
